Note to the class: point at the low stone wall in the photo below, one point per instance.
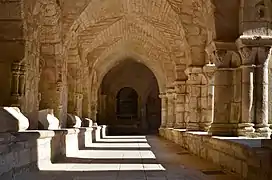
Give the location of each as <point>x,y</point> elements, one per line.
<point>246,157</point>
<point>32,150</point>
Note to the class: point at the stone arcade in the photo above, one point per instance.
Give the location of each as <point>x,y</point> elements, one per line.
<point>196,72</point>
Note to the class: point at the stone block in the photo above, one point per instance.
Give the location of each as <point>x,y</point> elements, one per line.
<point>73,121</point>
<point>86,122</point>
<point>96,133</point>
<point>104,131</point>
<point>47,120</point>
<point>12,120</point>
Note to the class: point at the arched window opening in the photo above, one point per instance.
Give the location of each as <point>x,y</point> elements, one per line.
<point>127,103</point>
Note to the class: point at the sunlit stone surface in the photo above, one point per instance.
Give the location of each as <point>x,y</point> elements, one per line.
<point>104,74</point>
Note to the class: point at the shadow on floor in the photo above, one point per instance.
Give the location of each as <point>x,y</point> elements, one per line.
<point>128,158</point>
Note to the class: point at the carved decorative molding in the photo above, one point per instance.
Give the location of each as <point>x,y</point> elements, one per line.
<point>223,54</point>
<point>209,71</point>
<point>254,50</point>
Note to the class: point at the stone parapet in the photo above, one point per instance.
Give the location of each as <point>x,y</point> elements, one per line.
<point>12,120</point>
<point>73,121</point>
<point>243,156</point>
<point>36,150</point>
<point>47,120</point>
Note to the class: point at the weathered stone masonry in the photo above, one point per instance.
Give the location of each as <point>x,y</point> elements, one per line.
<point>208,61</point>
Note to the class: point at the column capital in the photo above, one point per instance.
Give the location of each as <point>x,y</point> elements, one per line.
<point>170,94</point>
<point>255,47</point>
<point>15,68</point>
<point>180,87</point>
<point>162,95</point>
<point>209,71</point>
<point>193,70</point>
<point>223,54</point>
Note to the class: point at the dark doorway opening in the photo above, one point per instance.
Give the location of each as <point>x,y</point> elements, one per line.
<point>123,99</point>
<point>127,103</point>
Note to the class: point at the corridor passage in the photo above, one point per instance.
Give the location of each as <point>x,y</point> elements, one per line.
<point>130,158</point>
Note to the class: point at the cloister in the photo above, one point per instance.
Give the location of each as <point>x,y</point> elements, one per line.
<point>135,89</point>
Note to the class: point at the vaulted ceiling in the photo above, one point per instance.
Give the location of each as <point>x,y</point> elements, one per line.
<point>161,33</point>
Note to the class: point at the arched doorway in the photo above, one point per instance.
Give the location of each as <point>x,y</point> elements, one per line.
<point>127,104</point>
<point>123,99</point>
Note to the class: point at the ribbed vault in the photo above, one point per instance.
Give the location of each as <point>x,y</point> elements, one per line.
<point>151,29</point>
<point>159,34</point>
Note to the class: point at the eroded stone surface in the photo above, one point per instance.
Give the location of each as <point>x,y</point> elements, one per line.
<point>12,120</point>
<point>207,60</point>
<point>73,121</point>
<point>47,120</point>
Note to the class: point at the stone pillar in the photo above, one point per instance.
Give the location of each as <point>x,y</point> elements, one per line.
<point>22,80</point>
<point>262,127</point>
<point>170,108</point>
<point>164,108</point>
<point>180,89</point>
<point>18,84</point>
<point>79,101</point>
<point>58,106</point>
<point>193,90</point>
<point>209,71</point>
<point>93,110</point>
<point>222,103</point>
<point>245,126</point>
<point>256,53</point>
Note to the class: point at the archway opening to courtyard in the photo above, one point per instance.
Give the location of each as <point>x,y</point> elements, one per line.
<point>128,100</point>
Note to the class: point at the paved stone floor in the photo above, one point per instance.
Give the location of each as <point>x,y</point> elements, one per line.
<point>130,158</point>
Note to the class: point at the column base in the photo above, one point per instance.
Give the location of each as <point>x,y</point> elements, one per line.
<point>163,126</point>
<point>180,126</point>
<point>262,130</point>
<point>223,129</point>
<point>245,129</point>
<point>205,126</point>
<point>169,125</point>
<point>193,126</point>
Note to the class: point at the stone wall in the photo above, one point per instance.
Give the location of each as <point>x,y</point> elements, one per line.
<point>246,157</point>
<point>34,150</point>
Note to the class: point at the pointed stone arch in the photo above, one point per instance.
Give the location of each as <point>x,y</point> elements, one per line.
<point>139,45</point>
<point>99,17</point>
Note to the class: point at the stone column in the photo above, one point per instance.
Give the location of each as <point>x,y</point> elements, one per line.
<point>193,90</point>
<point>18,84</point>
<point>170,108</point>
<point>58,106</point>
<point>79,101</point>
<point>22,79</point>
<point>180,89</point>
<point>245,126</point>
<point>164,108</point>
<point>209,71</point>
<point>15,97</point>
<point>222,103</point>
<point>262,127</point>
